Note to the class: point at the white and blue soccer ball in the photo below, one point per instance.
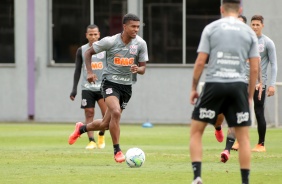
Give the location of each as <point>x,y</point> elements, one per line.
<point>134,157</point>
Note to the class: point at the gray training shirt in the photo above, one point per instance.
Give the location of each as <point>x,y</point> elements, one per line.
<point>98,62</point>
<point>120,57</point>
<point>229,43</point>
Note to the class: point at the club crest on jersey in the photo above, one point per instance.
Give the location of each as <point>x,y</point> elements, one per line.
<point>100,55</point>
<point>261,47</point>
<point>83,102</point>
<point>133,49</point>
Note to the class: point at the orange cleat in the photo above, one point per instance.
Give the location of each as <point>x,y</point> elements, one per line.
<point>219,135</point>
<point>235,146</point>
<point>76,134</point>
<point>225,156</point>
<point>119,157</point>
<point>259,148</point>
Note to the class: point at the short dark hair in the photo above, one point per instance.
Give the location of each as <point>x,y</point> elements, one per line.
<point>92,26</point>
<point>258,17</point>
<point>243,17</point>
<point>128,17</point>
<point>231,1</point>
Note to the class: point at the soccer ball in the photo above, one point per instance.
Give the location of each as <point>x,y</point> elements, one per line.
<point>135,157</point>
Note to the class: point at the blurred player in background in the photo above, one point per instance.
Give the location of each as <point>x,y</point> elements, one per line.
<point>91,92</point>
<point>127,55</point>
<point>227,44</point>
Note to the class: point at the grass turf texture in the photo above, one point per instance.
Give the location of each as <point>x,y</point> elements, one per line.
<point>39,153</point>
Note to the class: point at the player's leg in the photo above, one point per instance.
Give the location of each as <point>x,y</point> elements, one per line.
<point>261,123</point>
<point>89,115</point>
<point>196,132</point>
<point>230,139</point>
<point>218,128</point>
<point>101,133</point>
<point>242,135</point>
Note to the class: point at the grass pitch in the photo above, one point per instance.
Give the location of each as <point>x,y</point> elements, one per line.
<point>39,153</point>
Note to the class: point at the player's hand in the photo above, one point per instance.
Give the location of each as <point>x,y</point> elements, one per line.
<point>91,78</point>
<point>72,95</point>
<point>259,88</point>
<point>134,68</point>
<point>193,97</point>
<point>270,91</point>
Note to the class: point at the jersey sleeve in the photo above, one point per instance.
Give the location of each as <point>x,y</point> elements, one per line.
<point>204,45</point>
<point>271,50</point>
<point>143,53</point>
<point>104,44</point>
<point>254,52</point>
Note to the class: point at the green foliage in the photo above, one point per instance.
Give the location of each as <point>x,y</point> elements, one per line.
<point>39,153</point>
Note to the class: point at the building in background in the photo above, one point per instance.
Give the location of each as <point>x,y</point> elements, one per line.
<point>38,41</point>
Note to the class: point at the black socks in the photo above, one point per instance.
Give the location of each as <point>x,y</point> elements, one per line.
<point>196,166</point>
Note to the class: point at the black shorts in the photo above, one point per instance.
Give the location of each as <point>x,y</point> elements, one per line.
<point>231,99</point>
<point>89,98</point>
<point>122,92</point>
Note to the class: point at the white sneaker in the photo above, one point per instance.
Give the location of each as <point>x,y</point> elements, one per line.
<point>198,180</point>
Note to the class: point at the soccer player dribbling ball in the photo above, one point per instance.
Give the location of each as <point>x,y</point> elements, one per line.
<point>126,57</point>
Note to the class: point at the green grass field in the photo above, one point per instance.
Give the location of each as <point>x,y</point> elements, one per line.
<point>39,153</point>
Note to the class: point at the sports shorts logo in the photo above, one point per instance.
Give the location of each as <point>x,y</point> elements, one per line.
<point>242,116</point>
<point>204,113</point>
<point>109,91</point>
<point>83,102</point>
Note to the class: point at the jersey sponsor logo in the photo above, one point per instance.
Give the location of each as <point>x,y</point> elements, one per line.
<point>92,85</point>
<point>100,55</point>
<point>97,65</point>
<point>119,78</point>
<point>226,26</point>
<point>83,102</point>
<point>261,47</point>
<point>204,113</point>
<point>123,61</point>
<point>109,91</point>
<point>242,116</point>
<point>133,49</point>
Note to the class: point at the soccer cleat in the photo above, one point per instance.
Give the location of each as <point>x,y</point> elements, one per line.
<point>219,135</point>
<point>235,146</point>
<point>259,148</point>
<point>119,157</point>
<point>225,156</point>
<point>91,145</point>
<point>198,180</point>
<point>101,141</point>
<point>76,134</point>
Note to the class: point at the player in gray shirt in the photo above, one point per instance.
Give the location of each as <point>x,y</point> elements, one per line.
<point>91,92</point>
<point>126,56</point>
<point>227,44</point>
<point>267,52</point>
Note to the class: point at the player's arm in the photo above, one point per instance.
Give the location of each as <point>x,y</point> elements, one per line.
<point>91,77</point>
<point>77,72</point>
<point>198,70</point>
<point>140,68</point>
<point>273,63</point>
<point>259,85</point>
